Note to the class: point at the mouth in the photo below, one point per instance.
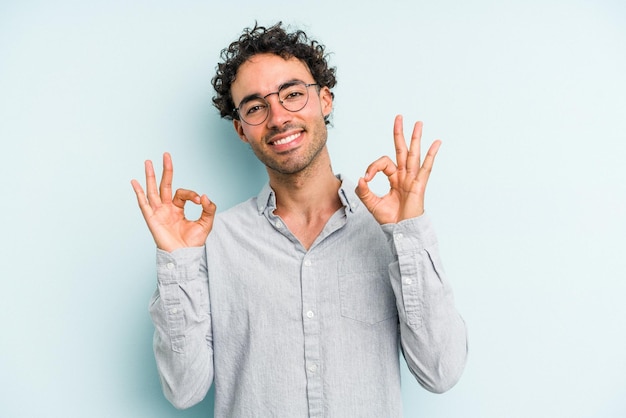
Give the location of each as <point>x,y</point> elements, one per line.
<point>286,140</point>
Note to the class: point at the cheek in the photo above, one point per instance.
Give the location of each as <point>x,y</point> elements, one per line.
<point>313,111</point>
<point>243,130</point>
<point>250,134</point>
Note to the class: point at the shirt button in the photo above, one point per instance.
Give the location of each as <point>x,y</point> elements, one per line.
<point>399,236</point>
<point>307,263</point>
<point>174,311</point>
<point>279,224</point>
<point>408,281</point>
<point>310,314</point>
<point>312,368</point>
<point>170,266</point>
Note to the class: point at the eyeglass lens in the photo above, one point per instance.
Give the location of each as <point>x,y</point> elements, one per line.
<point>292,96</point>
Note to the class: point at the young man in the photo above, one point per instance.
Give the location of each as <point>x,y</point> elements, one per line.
<point>296,303</point>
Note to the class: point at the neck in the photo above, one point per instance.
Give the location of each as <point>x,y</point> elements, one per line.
<point>307,199</point>
<point>309,192</point>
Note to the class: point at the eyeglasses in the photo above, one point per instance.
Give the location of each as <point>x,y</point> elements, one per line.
<point>293,96</point>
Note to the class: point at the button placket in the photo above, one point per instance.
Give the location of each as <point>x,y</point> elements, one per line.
<point>311,327</point>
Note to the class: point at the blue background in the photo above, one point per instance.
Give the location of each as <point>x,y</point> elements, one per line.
<point>528,194</point>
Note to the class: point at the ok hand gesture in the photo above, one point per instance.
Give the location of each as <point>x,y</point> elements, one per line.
<point>407,178</point>
<point>165,215</point>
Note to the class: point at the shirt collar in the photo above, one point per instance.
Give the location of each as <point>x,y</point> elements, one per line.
<point>266,199</point>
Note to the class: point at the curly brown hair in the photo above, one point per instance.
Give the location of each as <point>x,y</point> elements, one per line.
<point>274,40</point>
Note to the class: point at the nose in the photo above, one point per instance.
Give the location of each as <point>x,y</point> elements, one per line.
<point>278,115</point>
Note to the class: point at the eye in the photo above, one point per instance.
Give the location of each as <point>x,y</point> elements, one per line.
<point>254,108</point>
<point>294,95</point>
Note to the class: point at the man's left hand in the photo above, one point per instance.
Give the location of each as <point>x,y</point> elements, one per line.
<point>407,178</point>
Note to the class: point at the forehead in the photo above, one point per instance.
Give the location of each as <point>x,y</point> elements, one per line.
<point>264,73</point>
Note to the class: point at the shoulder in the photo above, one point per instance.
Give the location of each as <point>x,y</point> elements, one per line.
<point>238,214</point>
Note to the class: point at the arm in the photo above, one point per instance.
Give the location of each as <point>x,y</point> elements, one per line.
<point>180,306</point>
<point>433,335</point>
<point>183,340</point>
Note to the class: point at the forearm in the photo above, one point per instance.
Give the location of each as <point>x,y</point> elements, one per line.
<point>182,338</point>
<point>433,335</point>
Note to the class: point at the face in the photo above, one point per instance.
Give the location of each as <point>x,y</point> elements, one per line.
<point>286,142</point>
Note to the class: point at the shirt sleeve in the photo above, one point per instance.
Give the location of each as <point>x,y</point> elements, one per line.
<point>183,342</point>
<point>432,333</point>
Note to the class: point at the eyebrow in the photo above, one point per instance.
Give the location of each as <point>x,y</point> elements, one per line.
<point>253,96</point>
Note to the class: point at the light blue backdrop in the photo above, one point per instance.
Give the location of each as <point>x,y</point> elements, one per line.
<point>528,194</point>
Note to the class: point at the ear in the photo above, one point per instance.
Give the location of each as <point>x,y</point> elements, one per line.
<point>239,129</point>
<point>326,100</point>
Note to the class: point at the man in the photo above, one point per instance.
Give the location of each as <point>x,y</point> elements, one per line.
<point>297,302</point>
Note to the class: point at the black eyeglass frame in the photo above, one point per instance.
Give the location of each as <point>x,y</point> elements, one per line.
<point>269,107</point>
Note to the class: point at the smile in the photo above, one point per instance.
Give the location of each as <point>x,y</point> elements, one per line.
<point>287,139</point>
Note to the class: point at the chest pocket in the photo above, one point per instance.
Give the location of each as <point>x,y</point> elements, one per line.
<point>365,290</point>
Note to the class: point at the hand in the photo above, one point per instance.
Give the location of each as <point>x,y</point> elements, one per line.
<point>407,179</point>
<point>165,215</point>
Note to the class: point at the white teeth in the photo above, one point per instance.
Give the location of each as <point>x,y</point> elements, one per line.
<point>287,139</point>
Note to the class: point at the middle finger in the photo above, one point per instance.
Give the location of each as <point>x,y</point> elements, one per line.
<point>400,143</point>
<point>166,179</point>
<point>414,157</point>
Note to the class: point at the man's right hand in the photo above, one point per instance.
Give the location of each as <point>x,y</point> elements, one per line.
<point>165,215</point>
